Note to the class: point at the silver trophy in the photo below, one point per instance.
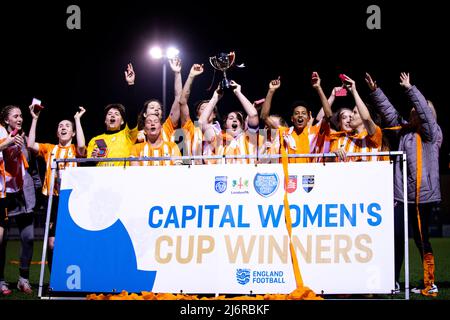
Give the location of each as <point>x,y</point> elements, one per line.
<point>222,62</point>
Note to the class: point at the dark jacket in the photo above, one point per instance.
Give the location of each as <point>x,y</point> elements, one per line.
<point>431,135</point>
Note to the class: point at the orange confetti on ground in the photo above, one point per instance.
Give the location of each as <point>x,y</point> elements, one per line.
<point>298,294</point>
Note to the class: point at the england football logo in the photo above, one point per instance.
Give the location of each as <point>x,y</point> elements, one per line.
<point>243,276</point>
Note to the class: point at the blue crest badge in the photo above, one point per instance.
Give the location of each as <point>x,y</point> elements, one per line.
<point>308,182</point>
<point>220,184</point>
<point>243,276</point>
<point>266,183</point>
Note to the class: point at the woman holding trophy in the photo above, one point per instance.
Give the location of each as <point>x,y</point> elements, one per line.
<point>235,140</point>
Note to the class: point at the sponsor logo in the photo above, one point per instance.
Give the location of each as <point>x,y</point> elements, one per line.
<point>243,276</point>
<point>266,183</point>
<point>239,186</point>
<point>308,182</point>
<point>291,185</point>
<point>266,276</point>
<point>220,184</point>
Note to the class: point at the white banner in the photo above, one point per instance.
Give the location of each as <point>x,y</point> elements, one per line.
<point>221,228</point>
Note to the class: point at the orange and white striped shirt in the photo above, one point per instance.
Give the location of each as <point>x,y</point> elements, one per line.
<point>165,149</point>
<point>51,152</point>
<point>360,142</point>
<point>167,132</point>
<point>268,146</point>
<point>199,147</point>
<point>244,144</point>
<point>193,140</point>
<point>310,140</point>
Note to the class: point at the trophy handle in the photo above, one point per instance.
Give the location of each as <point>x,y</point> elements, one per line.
<point>213,62</point>
<point>231,56</point>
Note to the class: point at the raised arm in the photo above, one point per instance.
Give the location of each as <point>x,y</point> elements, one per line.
<point>131,101</point>
<point>387,111</point>
<point>252,113</point>
<point>130,76</point>
<point>196,70</point>
<point>362,108</point>
<point>175,65</point>
<point>31,143</point>
<point>425,113</point>
<point>331,100</point>
<point>267,104</point>
<point>206,113</point>
<point>316,83</point>
<point>81,143</point>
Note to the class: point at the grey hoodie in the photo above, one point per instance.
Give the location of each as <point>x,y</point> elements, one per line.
<point>431,135</point>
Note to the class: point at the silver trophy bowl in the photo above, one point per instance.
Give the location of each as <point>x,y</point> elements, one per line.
<point>222,62</point>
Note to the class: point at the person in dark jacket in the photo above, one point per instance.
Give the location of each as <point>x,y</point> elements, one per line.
<point>420,137</point>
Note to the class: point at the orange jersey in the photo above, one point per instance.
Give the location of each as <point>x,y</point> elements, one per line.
<point>268,145</point>
<point>166,149</point>
<point>198,146</point>
<point>193,138</point>
<point>244,144</point>
<point>167,132</point>
<point>360,142</point>
<point>310,140</point>
<point>50,152</point>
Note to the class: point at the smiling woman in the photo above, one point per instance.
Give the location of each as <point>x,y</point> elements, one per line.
<point>63,150</point>
<point>19,187</point>
<point>118,137</point>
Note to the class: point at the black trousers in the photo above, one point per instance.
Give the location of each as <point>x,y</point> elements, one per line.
<point>422,243</point>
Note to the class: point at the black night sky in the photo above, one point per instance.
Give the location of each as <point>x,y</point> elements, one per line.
<point>66,68</point>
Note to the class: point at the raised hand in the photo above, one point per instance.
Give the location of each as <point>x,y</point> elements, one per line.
<point>404,80</point>
<point>370,82</point>
<point>219,91</point>
<point>315,80</point>
<point>236,87</point>
<point>34,113</point>
<point>175,64</point>
<point>275,84</point>
<point>130,75</point>
<point>79,113</point>
<point>196,70</point>
<point>349,83</point>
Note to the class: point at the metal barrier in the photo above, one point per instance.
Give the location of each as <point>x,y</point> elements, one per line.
<point>126,161</point>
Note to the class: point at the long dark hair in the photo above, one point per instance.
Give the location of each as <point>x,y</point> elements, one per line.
<point>141,117</point>
<point>4,113</point>
<point>239,116</point>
